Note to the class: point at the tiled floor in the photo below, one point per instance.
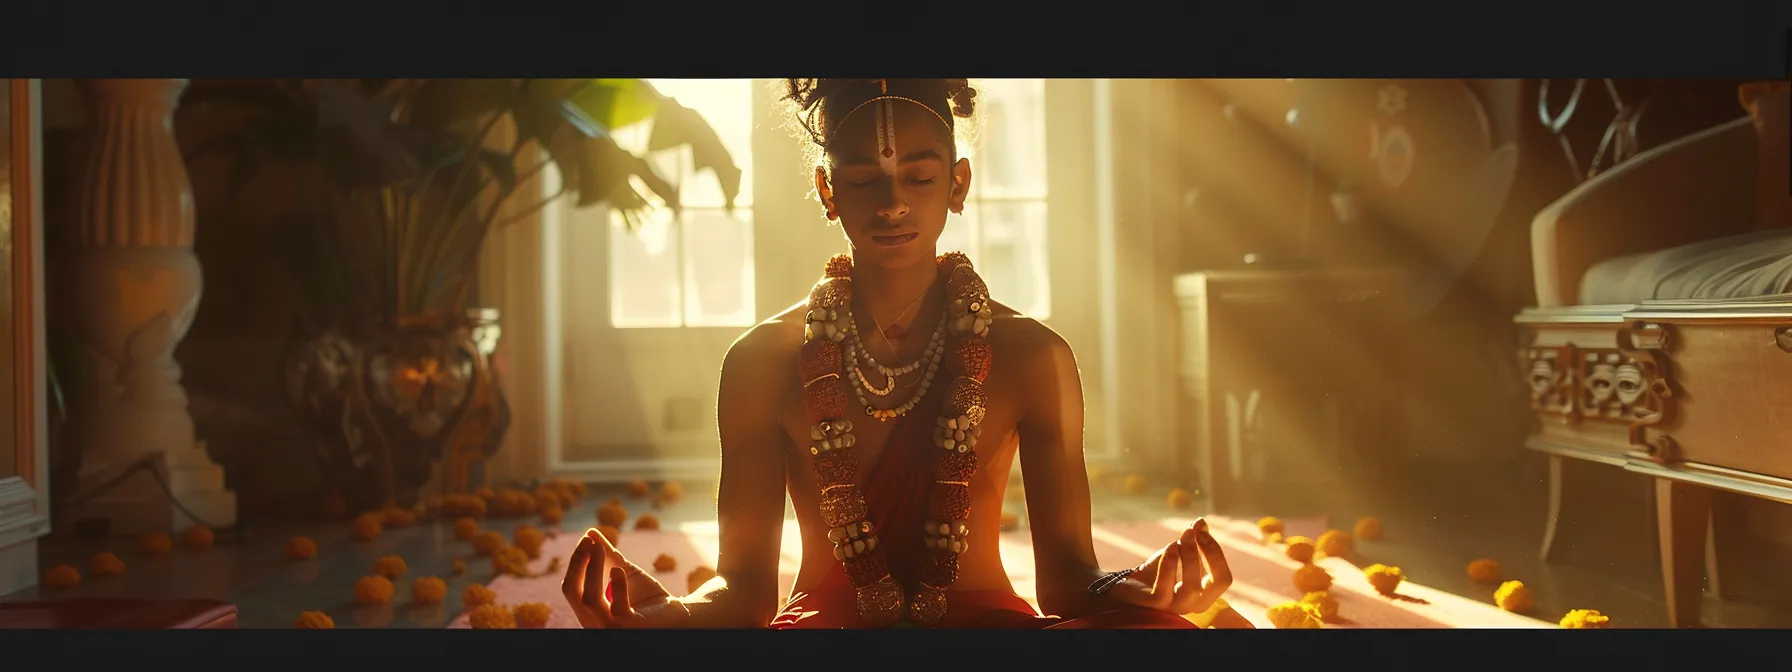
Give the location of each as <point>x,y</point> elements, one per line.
<point>1434,528</point>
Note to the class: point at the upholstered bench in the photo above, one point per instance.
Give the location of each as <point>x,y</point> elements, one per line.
<point>1663,336</point>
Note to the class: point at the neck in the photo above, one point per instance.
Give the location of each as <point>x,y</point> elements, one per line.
<point>886,291</point>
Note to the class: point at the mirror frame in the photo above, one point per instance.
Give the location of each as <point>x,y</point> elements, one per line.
<point>24,499</point>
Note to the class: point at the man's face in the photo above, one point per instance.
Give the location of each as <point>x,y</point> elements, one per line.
<point>892,195</point>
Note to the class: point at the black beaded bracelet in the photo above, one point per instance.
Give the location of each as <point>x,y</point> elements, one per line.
<point>1107,582</point>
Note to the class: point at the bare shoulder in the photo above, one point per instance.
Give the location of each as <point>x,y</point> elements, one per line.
<point>1028,342</point>
<point>769,348</point>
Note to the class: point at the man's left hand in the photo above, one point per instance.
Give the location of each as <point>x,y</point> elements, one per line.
<point>1185,577</point>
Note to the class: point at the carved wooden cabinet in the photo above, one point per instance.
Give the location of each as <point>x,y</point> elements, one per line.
<point>1290,384</point>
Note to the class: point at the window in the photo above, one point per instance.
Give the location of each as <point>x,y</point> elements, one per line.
<point>693,269</point>
<point>1003,229</point>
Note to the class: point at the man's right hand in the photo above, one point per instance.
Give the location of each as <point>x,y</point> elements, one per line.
<point>630,598</point>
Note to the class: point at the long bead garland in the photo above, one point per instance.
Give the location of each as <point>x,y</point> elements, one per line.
<point>824,367</point>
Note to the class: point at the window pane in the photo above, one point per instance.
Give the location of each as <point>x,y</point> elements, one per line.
<point>644,287</point>
<point>1013,255</point>
<point>727,104</point>
<point>957,236</point>
<point>1010,143</point>
<point>718,268</point>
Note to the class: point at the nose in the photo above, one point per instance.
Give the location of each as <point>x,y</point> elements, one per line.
<point>896,208</point>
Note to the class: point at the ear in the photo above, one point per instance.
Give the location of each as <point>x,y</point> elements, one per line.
<point>961,186</point>
<point>822,188</point>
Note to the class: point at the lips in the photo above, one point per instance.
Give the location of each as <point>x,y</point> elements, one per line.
<point>893,241</point>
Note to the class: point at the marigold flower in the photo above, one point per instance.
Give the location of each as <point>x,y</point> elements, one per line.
<point>105,564</point>
<point>314,620</point>
<point>374,589</point>
<point>1294,616</point>
<point>429,590</point>
<point>1513,596</point>
<point>491,617</point>
<point>62,577</point>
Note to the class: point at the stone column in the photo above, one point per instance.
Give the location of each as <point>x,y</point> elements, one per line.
<point>130,287</point>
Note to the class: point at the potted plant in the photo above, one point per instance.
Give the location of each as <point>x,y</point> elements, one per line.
<point>385,193</point>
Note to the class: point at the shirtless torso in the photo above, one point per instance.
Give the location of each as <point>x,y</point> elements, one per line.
<point>1031,386</point>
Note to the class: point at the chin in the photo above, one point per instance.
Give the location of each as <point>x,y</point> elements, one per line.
<point>902,256</point>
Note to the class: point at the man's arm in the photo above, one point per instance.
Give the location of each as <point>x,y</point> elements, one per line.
<point>744,593</point>
<point>1057,487</point>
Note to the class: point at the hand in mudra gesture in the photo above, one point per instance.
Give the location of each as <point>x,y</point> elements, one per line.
<point>1186,577</point>
<point>607,591</point>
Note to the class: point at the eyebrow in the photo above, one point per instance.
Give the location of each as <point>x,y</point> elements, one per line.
<point>911,157</point>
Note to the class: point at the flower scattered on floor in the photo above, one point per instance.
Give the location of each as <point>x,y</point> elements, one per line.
<point>1135,484</point>
<point>1269,525</point>
<point>611,533</point>
<point>429,590</point>
<point>367,527</point>
<point>551,515</point>
<point>155,544</point>
<point>1586,619</point>
<point>314,620</point>
<point>491,617</point>
<point>374,589</point>
<point>1513,596</point>
<point>1179,499</point>
<point>1334,543</point>
<point>1385,579</point>
<point>458,568</point>
<point>1294,616</point>
<point>647,521</point>
<point>1300,549</point>
<point>1273,538</point>
<point>665,563</point>
<point>510,503</point>
<point>475,595</point>
<point>1368,528</point>
<point>1205,619</point>
<point>638,488</point>
<point>197,536</point>
<point>463,506</point>
<point>570,492</point>
<point>301,548</point>
<point>391,567</point>
<point>1322,601</point>
<point>1010,522</point>
<point>612,514</point>
<point>1312,579</point>
<point>533,615</point>
<point>553,565</point>
<point>1484,570</point>
<point>396,516</point>
<point>671,492</point>
<point>105,564</point>
<point>465,529</point>
<point>488,542</point>
<point>547,495</point>
<point>530,540</point>
<point>510,560</point>
<point>699,576</point>
<point>62,577</point>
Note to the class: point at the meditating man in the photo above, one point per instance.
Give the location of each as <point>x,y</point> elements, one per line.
<point>890,405</point>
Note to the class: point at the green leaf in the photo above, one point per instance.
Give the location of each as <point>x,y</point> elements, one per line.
<point>677,125</point>
<point>617,103</point>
